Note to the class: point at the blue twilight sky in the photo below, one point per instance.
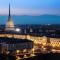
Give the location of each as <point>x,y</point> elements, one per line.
<point>30,7</point>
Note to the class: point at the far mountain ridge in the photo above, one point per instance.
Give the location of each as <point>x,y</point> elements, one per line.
<point>33,15</point>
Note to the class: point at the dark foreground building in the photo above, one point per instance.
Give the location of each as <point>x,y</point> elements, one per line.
<point>13,44</point>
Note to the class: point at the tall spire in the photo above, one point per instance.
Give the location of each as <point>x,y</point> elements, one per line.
<point>9,11</point>
<point>10,24</point>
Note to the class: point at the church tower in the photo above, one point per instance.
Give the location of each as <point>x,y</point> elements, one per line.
<point>9,24</point>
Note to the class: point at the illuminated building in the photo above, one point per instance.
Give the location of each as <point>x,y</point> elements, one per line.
<point>43,37</point>
<point>9,24</point>
<point>11,39</point>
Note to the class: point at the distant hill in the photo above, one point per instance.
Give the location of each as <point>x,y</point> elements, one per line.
<point>24,19</point>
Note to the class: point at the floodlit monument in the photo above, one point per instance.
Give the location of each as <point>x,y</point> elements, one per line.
<point>9,24</point>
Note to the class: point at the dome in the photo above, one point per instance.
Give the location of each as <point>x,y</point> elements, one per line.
<point>10,25</point>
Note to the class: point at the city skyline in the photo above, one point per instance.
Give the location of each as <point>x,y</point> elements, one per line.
<point>32,7</point>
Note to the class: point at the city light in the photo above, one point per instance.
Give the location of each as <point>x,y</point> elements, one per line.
<point>17,30</point>
<point>24,50</point>
<point>17,51</point>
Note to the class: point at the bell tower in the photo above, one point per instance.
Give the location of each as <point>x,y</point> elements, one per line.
<point>9,24</point>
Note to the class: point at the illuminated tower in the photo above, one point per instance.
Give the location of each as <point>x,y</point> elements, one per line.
<point>9,24</point>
